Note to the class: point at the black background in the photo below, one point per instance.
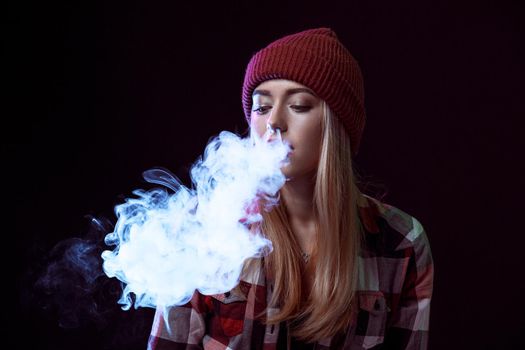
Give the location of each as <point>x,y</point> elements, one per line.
<point>99,91</point>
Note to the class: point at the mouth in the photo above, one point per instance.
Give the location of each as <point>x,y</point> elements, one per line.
<point>290,153</point>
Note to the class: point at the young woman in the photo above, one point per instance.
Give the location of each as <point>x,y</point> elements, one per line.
<point>347,271</point>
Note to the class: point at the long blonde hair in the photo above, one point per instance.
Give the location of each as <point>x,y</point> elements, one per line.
<point>327,308</point>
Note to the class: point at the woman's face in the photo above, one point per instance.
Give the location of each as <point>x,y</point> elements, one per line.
<point>297,112</point>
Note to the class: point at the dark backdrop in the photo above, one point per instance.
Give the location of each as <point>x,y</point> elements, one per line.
<point>99,91</point>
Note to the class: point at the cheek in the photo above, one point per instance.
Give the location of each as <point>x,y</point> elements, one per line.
<point>312,138</point>
<point>307,139</point>
<point>310,132</point>
<point>258,125</point>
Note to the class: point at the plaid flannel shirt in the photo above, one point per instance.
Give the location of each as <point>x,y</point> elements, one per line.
<point>392,299</point>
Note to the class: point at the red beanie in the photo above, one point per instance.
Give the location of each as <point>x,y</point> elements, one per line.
<point>317,59</point>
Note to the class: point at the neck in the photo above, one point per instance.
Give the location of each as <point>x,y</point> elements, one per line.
<point>298,196</point>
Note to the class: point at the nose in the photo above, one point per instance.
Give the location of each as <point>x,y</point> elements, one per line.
<point>276,120</point>
<point>272,129</point>
<point>272,133</point>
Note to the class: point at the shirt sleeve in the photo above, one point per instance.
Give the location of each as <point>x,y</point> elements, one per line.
<point>409,323</point>
<point>179,327</point>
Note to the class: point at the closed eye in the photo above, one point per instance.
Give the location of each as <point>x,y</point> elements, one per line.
<point>261,109</point>
<point>297,108</point>
<point>301,109</point>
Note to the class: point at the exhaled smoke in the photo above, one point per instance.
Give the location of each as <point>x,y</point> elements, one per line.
<point>170,244</point>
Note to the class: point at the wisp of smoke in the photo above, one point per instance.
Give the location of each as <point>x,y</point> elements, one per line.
<point>167,245</point>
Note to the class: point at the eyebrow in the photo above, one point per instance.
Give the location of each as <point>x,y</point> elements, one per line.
<point>287,92</point>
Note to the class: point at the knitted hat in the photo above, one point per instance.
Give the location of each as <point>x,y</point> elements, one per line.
<point>317,59</point>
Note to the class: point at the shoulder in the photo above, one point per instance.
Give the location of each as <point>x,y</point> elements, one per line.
<point>396,252</point>
<point>388,229</point>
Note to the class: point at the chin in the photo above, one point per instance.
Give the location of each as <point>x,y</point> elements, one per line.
<point>291,173</point>
<point>287,171</point>
<point>294,175</point>
<point>287,175</point>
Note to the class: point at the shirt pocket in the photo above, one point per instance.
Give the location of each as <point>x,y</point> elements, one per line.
<point>229,312</point>
<point>371,318</point>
